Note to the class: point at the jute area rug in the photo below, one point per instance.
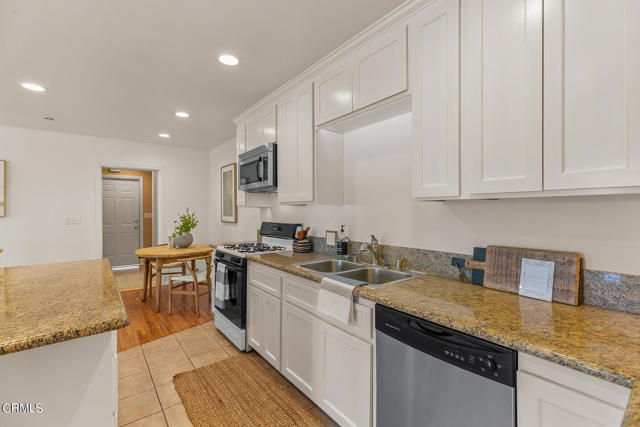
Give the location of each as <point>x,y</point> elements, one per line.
<point>238,392</point>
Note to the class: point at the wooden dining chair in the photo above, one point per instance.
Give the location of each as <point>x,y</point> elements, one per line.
<point>167,270</point>
<point>179,285</point>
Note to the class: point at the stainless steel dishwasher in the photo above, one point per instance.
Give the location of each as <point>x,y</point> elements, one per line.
<point>432,376</point>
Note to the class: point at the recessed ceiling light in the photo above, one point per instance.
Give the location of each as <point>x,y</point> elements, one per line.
<point>228,59</point>
<point>33,87</point>
<point>182,114</point>
<point>164,135</point>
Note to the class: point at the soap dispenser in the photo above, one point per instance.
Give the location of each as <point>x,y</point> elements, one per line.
<point>342,246</point>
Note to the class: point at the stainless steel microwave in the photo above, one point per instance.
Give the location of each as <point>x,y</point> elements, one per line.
<point>257,170</point>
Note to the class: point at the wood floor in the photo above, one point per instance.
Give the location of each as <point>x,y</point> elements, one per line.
<point>145,325</point>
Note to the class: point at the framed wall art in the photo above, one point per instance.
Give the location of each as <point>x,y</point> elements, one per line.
<point>228,191</point>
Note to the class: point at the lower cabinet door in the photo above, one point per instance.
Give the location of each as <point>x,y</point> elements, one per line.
<point>542,403</point>
<point>270,310</point>
<point>254,318</point>
<point>300,349</point>
<point>346,373</point>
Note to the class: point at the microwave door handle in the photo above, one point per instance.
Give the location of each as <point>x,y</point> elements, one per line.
<point>259,168</point>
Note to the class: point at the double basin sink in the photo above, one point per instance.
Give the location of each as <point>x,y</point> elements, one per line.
<point>355,272</point>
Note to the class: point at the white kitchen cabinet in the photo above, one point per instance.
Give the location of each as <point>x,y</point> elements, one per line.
<point>591,94</point>
<point>244,198</point>
<point>346,375</point>
<point>295,146</point>
<point>300,341</point>
<point>271,318</point>
<point>380,67</point>
<point>261,127</point>
<point>501,95</point>
<point>434,61</point>
<point>254,318</point>
<point>241,132</point>
<point>543,403</point>
<point>334,91</point>
<point>550,395</point>
<point>263,324</point>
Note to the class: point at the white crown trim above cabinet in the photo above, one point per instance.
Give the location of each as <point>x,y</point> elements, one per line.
<point>502,95</point>
<point>434,70</point>
<point>591,94</point>
<point>295,146</point>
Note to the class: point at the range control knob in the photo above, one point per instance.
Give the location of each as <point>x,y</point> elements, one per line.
<point>489,364</point>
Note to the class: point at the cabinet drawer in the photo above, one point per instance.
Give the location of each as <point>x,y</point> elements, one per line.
<point>304,294</point>
<point>266,279</point>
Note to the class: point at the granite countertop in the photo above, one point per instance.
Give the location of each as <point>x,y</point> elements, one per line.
<point>287,261</point>
<point>601,342</point>
<point>49,303</point>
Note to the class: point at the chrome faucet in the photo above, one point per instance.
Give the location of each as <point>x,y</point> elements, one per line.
<point>374,250</point>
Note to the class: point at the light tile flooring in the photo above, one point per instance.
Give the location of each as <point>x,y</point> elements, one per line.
<point>145,376</point>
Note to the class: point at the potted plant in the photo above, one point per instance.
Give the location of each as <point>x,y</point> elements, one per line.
<point>186,222</point>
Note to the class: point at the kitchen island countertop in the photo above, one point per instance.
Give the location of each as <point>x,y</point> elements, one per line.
<point>50,303</point>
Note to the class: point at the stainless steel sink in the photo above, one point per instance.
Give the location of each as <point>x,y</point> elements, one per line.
<point>375,276</point>
<point>330,266</point>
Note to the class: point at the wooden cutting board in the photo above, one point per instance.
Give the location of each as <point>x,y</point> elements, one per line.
<point>502,270</point>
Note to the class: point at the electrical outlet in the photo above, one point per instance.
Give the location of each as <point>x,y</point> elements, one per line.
<point>331,237</point>
<point>72,220</point>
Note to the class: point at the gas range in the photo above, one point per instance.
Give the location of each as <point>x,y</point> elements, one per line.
<point>230,306</point>
<point>240,249</point>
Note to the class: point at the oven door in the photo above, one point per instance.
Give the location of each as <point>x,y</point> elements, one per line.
<point>235,308</point>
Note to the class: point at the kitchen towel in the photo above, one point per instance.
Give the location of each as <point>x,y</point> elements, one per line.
<point>222,285</point>
<point>336,299</point>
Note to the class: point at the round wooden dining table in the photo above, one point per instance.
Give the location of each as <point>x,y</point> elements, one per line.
<point>162,255</point>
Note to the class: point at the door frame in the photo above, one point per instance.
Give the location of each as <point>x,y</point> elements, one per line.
<point>140,204</point>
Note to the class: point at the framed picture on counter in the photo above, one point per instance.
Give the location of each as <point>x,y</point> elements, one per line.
<point>3,188</point>
<point>228,191</point>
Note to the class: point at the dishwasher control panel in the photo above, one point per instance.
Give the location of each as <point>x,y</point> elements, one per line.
<point>457,348</point>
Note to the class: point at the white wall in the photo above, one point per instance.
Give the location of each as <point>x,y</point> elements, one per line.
<point>52,176</point>
<point>378,200</point>
<point>248,218</point>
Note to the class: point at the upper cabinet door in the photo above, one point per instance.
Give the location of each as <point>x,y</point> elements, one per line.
<point>502,95</point>
<point>261,127</point>
<point>591,93</point>
<point>434,70</point>
<point>380,68</point>
<point>333,92</point>
<point>295,146</point>
<point>268,125</point>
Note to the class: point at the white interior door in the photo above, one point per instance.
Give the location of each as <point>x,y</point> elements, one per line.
<point>120,220</point>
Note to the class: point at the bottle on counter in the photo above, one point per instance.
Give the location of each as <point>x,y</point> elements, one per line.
<point>342,246</point>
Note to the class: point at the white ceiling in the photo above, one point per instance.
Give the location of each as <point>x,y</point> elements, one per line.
<point>121,68</point>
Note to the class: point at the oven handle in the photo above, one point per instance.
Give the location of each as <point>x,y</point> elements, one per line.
<point>231,267</point>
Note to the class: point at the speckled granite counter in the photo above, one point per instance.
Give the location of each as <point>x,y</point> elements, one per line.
<point>50,303</point>
<point>600,342</point>
<point>287,262</point>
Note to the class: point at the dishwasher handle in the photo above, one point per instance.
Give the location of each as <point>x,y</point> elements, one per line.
<point>446,337</point>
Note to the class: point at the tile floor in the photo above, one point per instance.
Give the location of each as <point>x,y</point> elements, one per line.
<point>145,376</point>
